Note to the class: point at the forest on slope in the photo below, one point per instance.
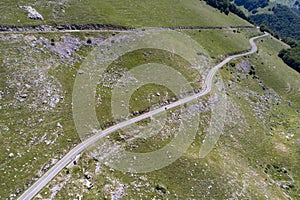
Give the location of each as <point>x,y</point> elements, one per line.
<point>283,23</point>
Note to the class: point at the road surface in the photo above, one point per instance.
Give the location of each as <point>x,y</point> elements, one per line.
<point>62,163</point>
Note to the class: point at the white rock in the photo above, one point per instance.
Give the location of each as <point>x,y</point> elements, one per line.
<point>88,184</point>
<point>59,125</point>
<point>80,71</point>
<point>32,13</point>
<point>23,95</point>
<point>11,155</point>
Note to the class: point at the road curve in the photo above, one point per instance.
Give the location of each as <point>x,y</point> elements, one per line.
<point>63,162</point>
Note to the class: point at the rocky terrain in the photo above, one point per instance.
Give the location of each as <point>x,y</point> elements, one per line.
<point>256,156</point>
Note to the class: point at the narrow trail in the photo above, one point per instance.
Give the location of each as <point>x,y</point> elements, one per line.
<point>100,28</point>
<point>70,156</point>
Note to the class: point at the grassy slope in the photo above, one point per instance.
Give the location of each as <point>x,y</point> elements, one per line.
<point>275,148</point>
<point>24,133</point>
<point>251,155</point>
<point>272,3</point>
<point>119,12</point>
<point>17,143</point>
<point>232,165</point>
<point>234,41</point>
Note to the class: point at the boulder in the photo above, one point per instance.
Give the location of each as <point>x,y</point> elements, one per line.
<point>32,13</point>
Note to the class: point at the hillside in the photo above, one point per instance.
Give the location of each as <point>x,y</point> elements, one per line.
<point>282,19</point>
<point>135,13</point>
<point>266,6</point>
<point>293,4</point>
<point>254,104</point>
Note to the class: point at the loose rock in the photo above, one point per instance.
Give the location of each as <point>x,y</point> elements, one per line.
<point>32,13</point>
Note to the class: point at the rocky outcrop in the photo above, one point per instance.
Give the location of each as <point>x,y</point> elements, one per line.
<point>91,27</point>
<point>45,28</point>
<point>32,13</point>
<point>81,27</point>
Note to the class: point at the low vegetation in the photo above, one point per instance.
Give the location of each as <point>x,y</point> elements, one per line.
<point>226,6</point>
<point>278,24</point>
<point>291,56</point>
<point>256,157</point>
<point>130,13</point>
<point>251,5</point>
<point>284,22</point>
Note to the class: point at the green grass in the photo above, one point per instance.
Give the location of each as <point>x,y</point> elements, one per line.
<point>264,143</point>
<point>246,160</point>
<point>138,100</point>
<point>137,58</point>
<point>119,12</point>
<point>65,76</point>
<point>276,74</point>
<point>24,131</point>
<point>235,166</point>
<point>286,82</point>
<point>222,43</point>
<point>250,154</point>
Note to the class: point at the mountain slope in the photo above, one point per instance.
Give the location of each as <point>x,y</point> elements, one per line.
<point>281,22</point>
<point>131,13</point>
<point>256,157</point>
<point>293,4</point>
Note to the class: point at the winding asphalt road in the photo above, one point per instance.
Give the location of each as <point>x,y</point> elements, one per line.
<point>62,163</point>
